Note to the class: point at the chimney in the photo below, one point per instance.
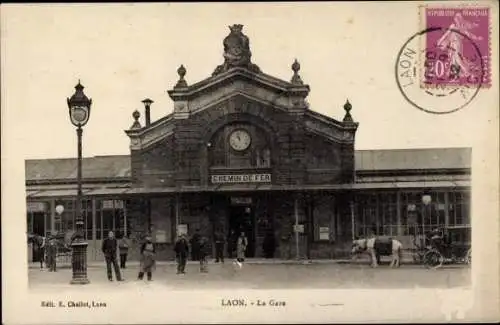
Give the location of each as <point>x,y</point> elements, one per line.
<point>147,107</point>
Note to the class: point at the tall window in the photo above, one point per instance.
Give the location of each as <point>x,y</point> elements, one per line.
<point>66,222</point>
<point>376,214</point>
<point>459,208</point>
<point>112,218</point>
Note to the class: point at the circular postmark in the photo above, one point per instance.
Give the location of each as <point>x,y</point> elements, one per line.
<point>439,70</point>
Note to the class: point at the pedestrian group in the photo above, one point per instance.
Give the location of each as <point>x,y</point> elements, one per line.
<point>198,246</point>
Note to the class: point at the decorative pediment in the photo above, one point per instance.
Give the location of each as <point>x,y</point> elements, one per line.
<point>141,138</point>
<point>191,99</point>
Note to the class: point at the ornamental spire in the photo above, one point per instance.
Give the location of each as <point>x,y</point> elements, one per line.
<point>347,116</point>
<point>181,83</point>
<point>137,125</point>
<point>296,80</point>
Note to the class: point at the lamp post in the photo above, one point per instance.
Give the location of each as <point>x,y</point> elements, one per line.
<point>79,113</point>
<point>59,211</point>
<point>426,200</point>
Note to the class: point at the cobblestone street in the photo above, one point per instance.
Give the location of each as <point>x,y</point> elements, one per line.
<point>270,276</point>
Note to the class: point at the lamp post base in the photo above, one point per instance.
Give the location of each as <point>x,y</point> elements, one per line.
<point>79,263</point>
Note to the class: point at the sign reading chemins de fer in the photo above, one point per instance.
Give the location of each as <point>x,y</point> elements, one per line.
<point>241,178</point>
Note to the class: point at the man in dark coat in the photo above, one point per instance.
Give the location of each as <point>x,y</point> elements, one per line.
<point>181,253</point>
<point>219,246</point>
<point>52,254</point>
<point>203,254</point>
<point>195,246</point>
<point>109,248</point>
<point>231,243</point>
<point>123,246</point>
<point>269,244</point>
<point>40,245</point>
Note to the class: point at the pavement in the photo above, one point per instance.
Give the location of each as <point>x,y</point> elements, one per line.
<point>267,274</point>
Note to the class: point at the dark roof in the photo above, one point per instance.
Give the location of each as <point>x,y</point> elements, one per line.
<point>118,166</point>
<point>99,167</point>
<point>413,159</point>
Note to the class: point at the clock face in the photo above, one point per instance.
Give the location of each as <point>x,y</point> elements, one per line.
<point>240,140</point>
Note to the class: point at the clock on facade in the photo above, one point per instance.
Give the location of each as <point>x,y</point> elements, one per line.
<point>240,140</point>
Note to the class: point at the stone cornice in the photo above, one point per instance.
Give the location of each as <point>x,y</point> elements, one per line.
<point>329,128</point>
<point>260,79</point>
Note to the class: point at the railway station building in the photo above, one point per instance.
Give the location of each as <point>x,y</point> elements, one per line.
<point>244,151</point>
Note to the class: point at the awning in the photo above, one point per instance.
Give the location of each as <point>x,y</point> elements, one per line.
<point>396,185</point>
<point>107,191</point>
<point>31,193</point>
<point>57,193</point>
<point>250,187</point>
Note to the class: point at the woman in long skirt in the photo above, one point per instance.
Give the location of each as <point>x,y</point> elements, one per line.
<point>241,247</point>
<point>148,252</point>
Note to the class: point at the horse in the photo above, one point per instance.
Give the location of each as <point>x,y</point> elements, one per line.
<point>376,247</point>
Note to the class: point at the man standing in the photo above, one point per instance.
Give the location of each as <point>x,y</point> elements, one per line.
<point>109,248</point>
<point>40,245</point>
<point>203,254</point>
<point>231,243</point>
<point>219,246</point>
<point>123,246</point>
<point>195,246</point>
<point>148,252</point>
<point>181,253</point>
<point>269,244</point>
<point>52,254</point>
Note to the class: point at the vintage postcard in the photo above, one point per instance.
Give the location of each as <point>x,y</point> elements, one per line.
<point>250,162</point>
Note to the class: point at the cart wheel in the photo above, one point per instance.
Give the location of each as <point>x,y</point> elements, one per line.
<point>417,257</point>
<point>433,259</point>
<point>468,258</point>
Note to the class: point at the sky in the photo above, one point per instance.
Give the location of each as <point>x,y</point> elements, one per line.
<point>124,53</point>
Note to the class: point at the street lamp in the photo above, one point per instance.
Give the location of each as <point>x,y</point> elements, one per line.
<point>79,113</point>
<point>59,211</point>
<point>426,200</point>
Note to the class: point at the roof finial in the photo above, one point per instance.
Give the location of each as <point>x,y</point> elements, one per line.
<point>136,115</point>
<point>79,86</point>
<point>296,77</point>
<point>181,83</point>
<point>347,108</point>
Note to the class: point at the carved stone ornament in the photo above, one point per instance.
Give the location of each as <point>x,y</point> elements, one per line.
<point>236,51</point>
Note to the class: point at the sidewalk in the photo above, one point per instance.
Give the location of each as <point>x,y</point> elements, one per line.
<point>257,261</point>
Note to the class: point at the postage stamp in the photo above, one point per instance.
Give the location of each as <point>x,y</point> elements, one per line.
<point>441,68</point>
<point>460,53</point>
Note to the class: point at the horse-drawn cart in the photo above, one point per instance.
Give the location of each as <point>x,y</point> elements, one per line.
<point>454,247</point>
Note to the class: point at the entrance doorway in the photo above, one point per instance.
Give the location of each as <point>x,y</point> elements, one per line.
<point>241,219</point>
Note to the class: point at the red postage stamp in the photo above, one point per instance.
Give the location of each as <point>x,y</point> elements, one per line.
<point>458,51</point>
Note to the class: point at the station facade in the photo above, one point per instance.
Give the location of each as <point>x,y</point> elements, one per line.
<point>243,151</point>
